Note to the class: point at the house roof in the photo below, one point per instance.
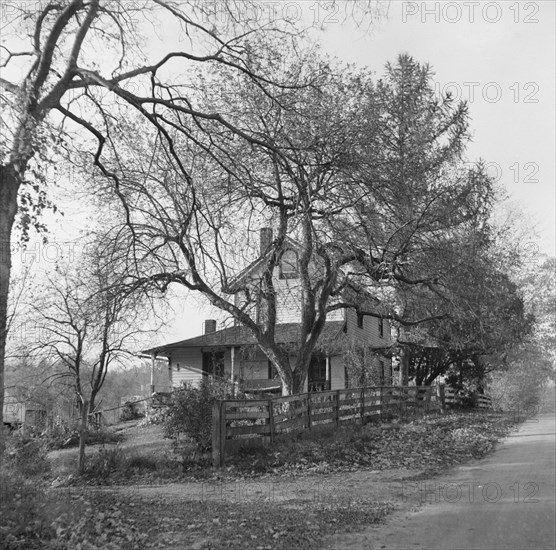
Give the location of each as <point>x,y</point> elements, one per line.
<point>287,333</point>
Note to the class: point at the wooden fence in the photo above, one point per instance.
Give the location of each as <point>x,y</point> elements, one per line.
<point>239,422</point>
<point>113,415</point>
<point>454,399</point>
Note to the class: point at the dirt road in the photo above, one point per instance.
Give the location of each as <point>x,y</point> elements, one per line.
<point>506,502</point>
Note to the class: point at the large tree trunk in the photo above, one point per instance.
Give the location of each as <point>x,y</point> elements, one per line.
<point>9,185</point>
<point>82,438</point>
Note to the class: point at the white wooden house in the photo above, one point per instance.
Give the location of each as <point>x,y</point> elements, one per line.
<point>348,338</point>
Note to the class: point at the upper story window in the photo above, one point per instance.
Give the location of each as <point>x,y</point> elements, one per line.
<point>381,327</point>
<point>360,320</point>
<point>288,265</point>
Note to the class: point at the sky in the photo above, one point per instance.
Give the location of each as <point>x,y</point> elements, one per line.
<point>499,56</point>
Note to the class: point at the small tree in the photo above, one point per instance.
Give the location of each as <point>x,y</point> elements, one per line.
<point>89,323</point>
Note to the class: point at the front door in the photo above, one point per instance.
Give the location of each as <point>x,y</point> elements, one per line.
<point>213,363</point>
<point>317,380</point>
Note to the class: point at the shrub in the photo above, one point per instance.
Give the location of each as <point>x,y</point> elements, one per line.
<point>516,390</point>
<point>155,416</point>
<point>131,411</point>
<point>190,411</point>
<point>106,461</point>
<point>27,455</point>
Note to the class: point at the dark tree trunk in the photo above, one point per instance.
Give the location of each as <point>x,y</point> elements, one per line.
<point>9,186</point>
<point>404,367</point>
<point>82,438</point>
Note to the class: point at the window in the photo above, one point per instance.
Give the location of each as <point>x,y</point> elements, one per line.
<point>288,265</point>
<point>213,363</point>
<point>359,320</point>
<point>317,376</point>
<point>381,327</point>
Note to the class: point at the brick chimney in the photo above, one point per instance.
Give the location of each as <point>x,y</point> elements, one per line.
<point>210,326</point>
<point>265,239</point>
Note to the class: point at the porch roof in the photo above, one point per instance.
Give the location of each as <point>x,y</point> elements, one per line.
<point>287,333</point>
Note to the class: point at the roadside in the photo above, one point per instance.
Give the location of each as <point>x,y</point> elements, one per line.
<point>297,503</point>
<point>506,501</point>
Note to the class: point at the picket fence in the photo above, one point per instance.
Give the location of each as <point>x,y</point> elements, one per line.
<point>239,423</point>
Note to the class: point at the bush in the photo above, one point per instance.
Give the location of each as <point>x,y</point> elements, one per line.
<point>61,435</point>
<point>155,416</point>
<point>516,390</point>
<point>27,455</point>
<point>116,461</point>
<point>106,461</point>
<point>131,411</point>
<point>190,411</point>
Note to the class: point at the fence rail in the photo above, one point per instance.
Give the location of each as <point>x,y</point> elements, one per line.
<point>112,415</point>
<point>235,422</point>
<point>453,398</point>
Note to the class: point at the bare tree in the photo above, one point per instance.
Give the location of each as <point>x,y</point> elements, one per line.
<point>341,178</point>
<point>55,81</point>
<point>88,323</point>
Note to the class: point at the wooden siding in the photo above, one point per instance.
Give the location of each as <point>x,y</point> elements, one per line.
<point>190,362</point>
<point>288,303</point>
<point>369,335</point>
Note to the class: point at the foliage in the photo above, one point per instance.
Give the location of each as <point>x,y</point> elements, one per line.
<point>519,389</point>
<point>131,411</point>
<point>432,442</point>
<point>63,436</point>
<point>119,464</point>
<point>358,367</point>
<point>155,415</point>
<point>190,411</point>
<point>35,518</point>
<point>105,461</point>
<point>27,455</point>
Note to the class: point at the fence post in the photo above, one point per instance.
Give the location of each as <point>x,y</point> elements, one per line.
<point>218,434</point>
<point>441,398</point>
<point>271,420</point>
<point>381,402</point>
<point>309,422</point>
<point>362,404</point>
<point>337,396</point>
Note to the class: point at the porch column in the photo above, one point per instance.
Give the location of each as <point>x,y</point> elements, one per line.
<point>233,357</point>
<point>328,371</point>
<point>153,362</point>
<point>232,368</point>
